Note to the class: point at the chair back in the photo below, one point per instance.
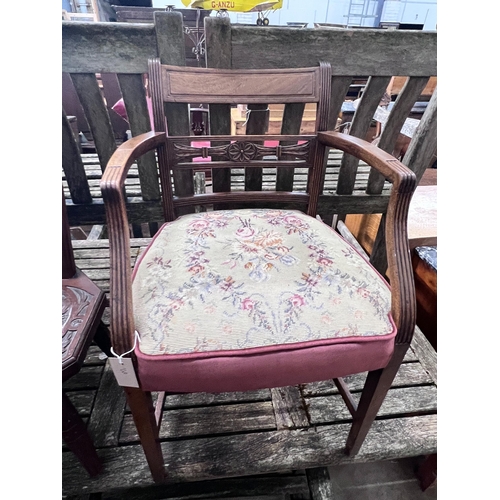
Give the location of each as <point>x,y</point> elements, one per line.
<point>275,157</point>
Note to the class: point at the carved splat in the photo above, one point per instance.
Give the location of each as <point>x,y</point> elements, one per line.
<point>82,307</point>
<point>75,305</point>
<point>242,151</point>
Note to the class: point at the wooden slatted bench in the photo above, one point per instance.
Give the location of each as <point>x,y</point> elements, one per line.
<point>91,50</point>
<point>213,437</point>
<point>288,432</point>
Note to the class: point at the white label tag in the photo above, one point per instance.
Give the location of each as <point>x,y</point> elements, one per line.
<point>124,373</point>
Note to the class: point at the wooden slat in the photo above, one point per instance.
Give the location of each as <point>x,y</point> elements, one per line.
<point>125,48</point>
<point>170,38</point>
<point>400,401</point>
<point>250,197</point>
<point>320,484</point>
<point>402,107</point>
<point>275,164</point>
<point>89,94</point>
<point>171,50</point>
<point>257,124</point>
<point>269,487</point>
<point>418,157</point>
<point>348,236</point>
<point>350,51</point>
<point>247,137</point>
<point>370,99</point>
<point>190,400</point>
<point>292,119</point>
<point>88,378</point>
<point>134,97</point>
<point>340,86</point>
<point>218,55</point>
<point>289,408</point>
<point>423,144</point>
<point>82,401</point>
<point>73,166</point>
<point>213,457</point>
<point>409,374</point>
<point>206,421</point>
<point>427,356</point>
<point>105,421</point>
<point>107,47</point>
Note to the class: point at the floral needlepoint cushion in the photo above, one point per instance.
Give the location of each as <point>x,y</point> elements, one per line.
<point>243,284</point>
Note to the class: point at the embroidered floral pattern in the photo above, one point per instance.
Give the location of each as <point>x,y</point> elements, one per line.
<point>251,278</point>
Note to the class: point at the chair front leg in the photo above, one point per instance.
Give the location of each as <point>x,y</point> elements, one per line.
<point>378,382</point>
<point>143,412</point>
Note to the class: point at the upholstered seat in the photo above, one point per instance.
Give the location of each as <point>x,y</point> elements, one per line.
<point>222,298</point>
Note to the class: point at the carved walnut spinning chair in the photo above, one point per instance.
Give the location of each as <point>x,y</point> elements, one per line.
<point>247,298</point>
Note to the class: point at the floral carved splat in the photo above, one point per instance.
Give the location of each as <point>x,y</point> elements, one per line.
<point>75,306</point>
<point>242,151</point>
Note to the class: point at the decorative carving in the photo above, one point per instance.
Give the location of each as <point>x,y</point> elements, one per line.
<point>75,305</point>
<point>183,151</point>
<point>243,151</point>
<point>67,337</point>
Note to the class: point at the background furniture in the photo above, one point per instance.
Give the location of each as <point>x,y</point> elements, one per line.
<point>83,304</point>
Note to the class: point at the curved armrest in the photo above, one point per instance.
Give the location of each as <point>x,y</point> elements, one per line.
<point>404,182</point>
<point>112,187</point>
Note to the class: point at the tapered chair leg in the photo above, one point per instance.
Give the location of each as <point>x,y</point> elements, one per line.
<point>378,382</point>
<point>77,439</point>
<point>143,413</point>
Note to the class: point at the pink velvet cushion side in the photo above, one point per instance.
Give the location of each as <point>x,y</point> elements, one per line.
<point>245,371</point>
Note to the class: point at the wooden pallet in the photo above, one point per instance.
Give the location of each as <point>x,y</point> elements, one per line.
<point>213,442</point>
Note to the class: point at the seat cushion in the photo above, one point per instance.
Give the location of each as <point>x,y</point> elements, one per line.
<point>245,299</point>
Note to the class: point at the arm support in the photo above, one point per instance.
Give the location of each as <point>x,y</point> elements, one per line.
<point>398,251</point>
<point>113,193</point>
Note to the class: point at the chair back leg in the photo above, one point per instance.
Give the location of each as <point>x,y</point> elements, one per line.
<point>378,382</point>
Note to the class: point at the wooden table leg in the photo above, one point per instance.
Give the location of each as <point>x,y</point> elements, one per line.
<point>77,439</point>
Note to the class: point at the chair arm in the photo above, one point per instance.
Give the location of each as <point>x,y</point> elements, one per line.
<point>404,182</point>
<point>112,188</point>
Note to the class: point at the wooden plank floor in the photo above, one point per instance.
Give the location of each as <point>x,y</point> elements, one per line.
<point>211,440</point>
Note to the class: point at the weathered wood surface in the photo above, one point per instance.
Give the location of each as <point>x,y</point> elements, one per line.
<point>107,47</point>
<point>350,51</point>
<point>123,49</point>
<point>259,433</point>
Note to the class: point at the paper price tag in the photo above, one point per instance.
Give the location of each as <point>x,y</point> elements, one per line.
<point>124,372</point>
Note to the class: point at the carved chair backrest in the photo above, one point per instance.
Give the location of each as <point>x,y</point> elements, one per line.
<point>173,88</point>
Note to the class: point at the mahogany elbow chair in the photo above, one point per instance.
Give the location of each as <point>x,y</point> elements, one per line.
<point>237,299</point>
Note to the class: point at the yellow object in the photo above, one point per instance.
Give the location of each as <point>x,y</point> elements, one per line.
<point>235,5</point>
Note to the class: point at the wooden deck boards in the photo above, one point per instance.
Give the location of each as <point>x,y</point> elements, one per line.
<point>272,435</point>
